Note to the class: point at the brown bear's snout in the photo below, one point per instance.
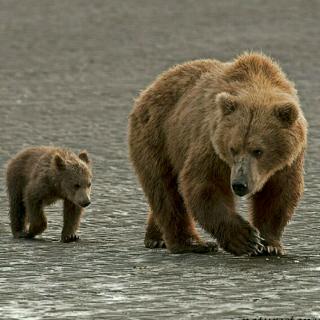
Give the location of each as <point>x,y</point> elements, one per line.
<point>240,177</point>
<point>240,188</point>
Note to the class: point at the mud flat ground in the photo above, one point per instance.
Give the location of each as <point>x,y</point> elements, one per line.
<point>69,71</point>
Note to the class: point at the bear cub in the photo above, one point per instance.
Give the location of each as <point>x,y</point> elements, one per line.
<point>37,177</point>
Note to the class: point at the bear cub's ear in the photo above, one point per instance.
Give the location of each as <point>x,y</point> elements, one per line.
<point>226,103</point>
<point>83,155</point>
<point>287,113</point>
<point>59,162</point>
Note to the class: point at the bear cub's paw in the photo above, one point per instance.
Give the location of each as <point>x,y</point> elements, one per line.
<point>70,238</point>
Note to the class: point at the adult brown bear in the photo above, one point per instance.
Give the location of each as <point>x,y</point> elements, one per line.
<point>204,131</point>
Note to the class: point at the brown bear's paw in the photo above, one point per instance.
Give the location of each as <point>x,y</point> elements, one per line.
<point>195,247</point>
<point>271,249</point>
<point>241,238</point>
<point>69,238</point>
<point>154,243</point>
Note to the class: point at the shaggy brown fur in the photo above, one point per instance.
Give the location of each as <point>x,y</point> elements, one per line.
<point>39,176</point>
<point>206,130</point>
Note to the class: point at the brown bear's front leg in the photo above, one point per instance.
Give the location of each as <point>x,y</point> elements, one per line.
<point>71,221</point>
<point>168,210</point>
<point>274,205</point>
<point>209,198</point>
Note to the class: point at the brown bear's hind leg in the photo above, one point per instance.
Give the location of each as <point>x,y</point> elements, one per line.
<point>153,238</point>
<point>71,221</point>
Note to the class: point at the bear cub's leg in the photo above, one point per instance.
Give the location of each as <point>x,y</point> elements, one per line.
<point>17,213</point>
<point>34,208</point>
<point>71,221</point>
<point>17,209</point>
<point>36,218</point>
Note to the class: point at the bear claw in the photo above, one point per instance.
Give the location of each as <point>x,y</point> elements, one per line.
<point>154,244</point>
<point>70,238</point>
<point>270,250</point>
<point>244,240</point>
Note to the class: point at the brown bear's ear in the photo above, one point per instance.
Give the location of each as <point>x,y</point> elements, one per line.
<point>226,103</point>
<point>83,155</point>
<point>59,162</point>
<point>286,113</point>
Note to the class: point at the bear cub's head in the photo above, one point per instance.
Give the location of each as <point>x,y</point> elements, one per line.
<point>75,177</point>
<point>257,134</point>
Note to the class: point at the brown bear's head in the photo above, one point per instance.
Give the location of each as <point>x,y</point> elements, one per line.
<point>258,132</point>
<point>74,177</point>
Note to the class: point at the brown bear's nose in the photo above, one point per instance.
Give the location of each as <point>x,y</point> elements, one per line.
<point>240,188</point>
<point>85,204</point>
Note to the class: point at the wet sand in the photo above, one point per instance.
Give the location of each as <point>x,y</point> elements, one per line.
<point>69,71</point>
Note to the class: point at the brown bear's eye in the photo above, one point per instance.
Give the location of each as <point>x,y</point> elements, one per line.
<point>233,151</point>
<point>89,184</point>
<point>257,153</point>
<point>77,186</point>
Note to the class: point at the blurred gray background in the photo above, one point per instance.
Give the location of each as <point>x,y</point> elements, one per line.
<point>69,71</point>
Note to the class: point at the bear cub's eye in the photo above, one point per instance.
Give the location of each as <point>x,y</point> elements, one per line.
<point>257,153</point>
<point>89,184</point>
<point>77,186</point>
